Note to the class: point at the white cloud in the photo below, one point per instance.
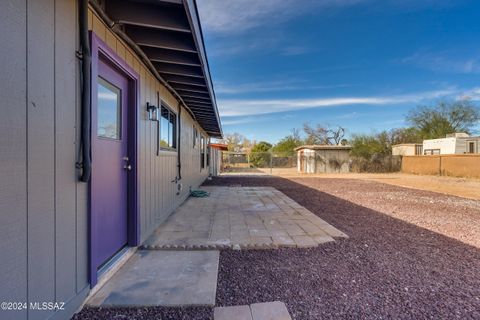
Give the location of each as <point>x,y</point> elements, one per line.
<point>242,120</point>
<point>443,62</point>
<point>270,86</point>
<point>244,107</point>
<point>472,94</point>
<point>239,15</point>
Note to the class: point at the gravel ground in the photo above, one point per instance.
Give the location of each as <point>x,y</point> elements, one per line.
<point>411,255</point>
<point>388,268</point>
<point>147,313</point>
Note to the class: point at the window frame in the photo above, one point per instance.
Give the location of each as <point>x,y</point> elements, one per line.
<point>431,152</point>
<point>171,113</point>
<point>203,142</point>
<point>195,137</point>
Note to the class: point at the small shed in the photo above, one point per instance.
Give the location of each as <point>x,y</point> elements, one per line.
<point>323,159</point>
<point>216,150</point>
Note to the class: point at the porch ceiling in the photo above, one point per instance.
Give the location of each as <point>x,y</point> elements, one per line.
<point>170,35</point>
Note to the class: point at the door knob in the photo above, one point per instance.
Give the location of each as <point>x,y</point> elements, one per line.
<point>125,159</point>
<point>127,167</point>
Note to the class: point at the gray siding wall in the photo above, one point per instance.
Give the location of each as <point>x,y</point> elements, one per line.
<point>43,209</point>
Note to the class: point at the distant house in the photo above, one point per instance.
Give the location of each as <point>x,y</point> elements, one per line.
<point>215,157</point>
<point>455,143</point>
<point>323,158</point>
<point>407,149</point>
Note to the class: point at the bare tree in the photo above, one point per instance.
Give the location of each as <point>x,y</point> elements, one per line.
<point>323,134</point>
<point>336,134</point>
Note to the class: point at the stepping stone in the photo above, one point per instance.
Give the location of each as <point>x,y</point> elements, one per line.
<point>162,278</point>
<point>270,311</point>
<point>232,313</point>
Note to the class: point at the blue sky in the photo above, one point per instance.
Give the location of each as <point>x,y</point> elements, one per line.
<point>361,64</point>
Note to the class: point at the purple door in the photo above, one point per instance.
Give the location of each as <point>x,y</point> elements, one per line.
<point>110,163</point>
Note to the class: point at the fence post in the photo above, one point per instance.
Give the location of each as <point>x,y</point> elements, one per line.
<point>271,162</point>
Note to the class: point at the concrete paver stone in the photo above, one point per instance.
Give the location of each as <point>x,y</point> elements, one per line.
<point>252,217</point>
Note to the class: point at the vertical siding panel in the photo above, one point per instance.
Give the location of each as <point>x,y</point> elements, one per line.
<point>151,89</point>
<point>120,49</point>
<point>90,20</point>
<point>82,238</point>
<point>65,180</point>
<point>155,157</point>
<point>128,56</point>
<point>13,143</point>
<point>98,27</point>
<point>111,40</point>
<point>142,132</point>
<point>158,191</point>
<point>148,167</point>
<point>41,151</point>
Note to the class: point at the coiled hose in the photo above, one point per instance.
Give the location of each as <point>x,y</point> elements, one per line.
<point>199,193</point>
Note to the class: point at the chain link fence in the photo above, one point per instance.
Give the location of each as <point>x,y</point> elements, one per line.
<point>259,162</point>
<point>278,163</point>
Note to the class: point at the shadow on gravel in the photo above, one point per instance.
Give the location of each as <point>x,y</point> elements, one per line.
<point>388,268</point>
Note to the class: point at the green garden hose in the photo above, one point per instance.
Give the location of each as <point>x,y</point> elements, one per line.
<point>199,193</point>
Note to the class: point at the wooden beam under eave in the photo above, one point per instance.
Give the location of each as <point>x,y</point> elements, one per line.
<point>190,94</point>
<point>172,57</point>
<point>195,99</point>
<point>173,79</point>
<point>189,88</point>
<point>193,102</point>
<point>153,15</point>
<point>183,70</point>
<point>165,39</point>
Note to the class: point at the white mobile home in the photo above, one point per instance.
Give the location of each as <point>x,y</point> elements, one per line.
<point>456,143</point>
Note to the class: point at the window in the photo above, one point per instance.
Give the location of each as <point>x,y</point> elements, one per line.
<point>168,129</point>
<point>471,147</point>
<point>195,137</point>
<point>431,152</point>
<point>202,151</point>
<point>208,155</point>
<point>108,110</point>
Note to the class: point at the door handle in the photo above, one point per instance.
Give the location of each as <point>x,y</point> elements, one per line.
<point>127,167</point>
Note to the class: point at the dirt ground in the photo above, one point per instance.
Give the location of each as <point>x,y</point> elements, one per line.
<point>461,187</point>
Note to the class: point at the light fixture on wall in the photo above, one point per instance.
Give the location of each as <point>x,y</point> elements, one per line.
<point>152,112</point>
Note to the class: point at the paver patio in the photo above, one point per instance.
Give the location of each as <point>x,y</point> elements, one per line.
<point>258,311</point>
<point>242,217</point>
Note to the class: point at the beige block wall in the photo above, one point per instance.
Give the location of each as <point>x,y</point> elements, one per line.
<point>429,165</point>
<point>448,165</point>
<point>461,166</point>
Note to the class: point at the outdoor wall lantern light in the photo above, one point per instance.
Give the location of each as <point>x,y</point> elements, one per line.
<point>152,112</point>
